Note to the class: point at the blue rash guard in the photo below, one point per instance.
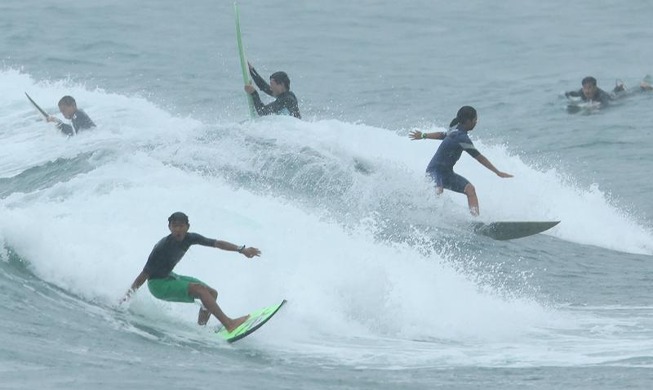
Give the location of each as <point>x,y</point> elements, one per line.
<point>441,166</point>
<point>168,252</point>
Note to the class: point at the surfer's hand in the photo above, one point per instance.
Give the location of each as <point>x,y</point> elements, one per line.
<point>503,174</point>
<point>52,119</point>
<point>415,135</point>
<point>125,298</point>
<point>249,89</point>
<point>250,252</point>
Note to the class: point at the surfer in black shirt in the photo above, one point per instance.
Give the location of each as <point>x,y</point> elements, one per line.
<point>591,93</point>
<point>80,121</point>
<point>166,285</point>
<point>279,87</point>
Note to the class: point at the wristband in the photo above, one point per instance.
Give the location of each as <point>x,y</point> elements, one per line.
<point>423,135</point>
<point>241,249</point>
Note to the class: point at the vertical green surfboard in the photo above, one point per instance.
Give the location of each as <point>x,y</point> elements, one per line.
<point>243,62</point>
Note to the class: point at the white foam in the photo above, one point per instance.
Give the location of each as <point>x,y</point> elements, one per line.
<point>91,234</point>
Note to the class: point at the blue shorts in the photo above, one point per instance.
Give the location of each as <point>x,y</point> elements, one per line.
<point>449,180</point>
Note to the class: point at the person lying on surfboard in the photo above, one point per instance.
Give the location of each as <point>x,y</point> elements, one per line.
<point>168,286</point>
<point>591,93</point>
<point>440,169</point>
<point>279,87</point>
<point>80,121</point>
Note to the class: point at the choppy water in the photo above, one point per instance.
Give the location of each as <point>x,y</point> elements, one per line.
<point>387,289</point>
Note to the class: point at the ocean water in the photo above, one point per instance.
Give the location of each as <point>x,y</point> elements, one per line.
<point>386,286</point>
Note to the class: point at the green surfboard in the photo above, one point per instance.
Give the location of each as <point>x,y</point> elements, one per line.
<point>256,320</point>
<point>509,230</point>
<point>243,62</point>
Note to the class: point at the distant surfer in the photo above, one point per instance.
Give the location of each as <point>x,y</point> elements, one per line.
<point>591,93</point>
<point>454,142</point>
<point>79,119</point>
<point>168,286</point>
<point>279,87</point>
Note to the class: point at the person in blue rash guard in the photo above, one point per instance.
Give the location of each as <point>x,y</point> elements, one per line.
<point>454,142</point>
<point>168,286</point>
<point>279,87</point>
<point>80,120</point>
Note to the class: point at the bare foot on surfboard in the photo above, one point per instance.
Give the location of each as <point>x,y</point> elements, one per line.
<point>233,324</point>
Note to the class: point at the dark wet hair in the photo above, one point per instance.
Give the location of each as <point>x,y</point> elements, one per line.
<point>67,101</point>
<point>589,80</point>
<point>465,113</point>
<point>178,217</point>
<point>281,78</point>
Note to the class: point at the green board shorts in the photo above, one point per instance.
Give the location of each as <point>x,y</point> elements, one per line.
<point>174,288</point>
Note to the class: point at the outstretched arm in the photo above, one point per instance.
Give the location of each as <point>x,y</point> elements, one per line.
<point>578,93</point>
<point>248,252</point>
<point>415,135</point>
<point>138,282</point>
<point>483,160</point>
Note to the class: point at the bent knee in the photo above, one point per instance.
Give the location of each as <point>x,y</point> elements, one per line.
<point>469,189</point>
<point>196,289</point>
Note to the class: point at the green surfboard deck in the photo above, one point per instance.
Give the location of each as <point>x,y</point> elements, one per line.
<point>256,320</point>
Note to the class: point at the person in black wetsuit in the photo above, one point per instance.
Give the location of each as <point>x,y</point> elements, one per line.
<point>454,142</point>
<point>279,87</point>
<point>80,121</point>
<point>168,286</point>
<point>590,92</point>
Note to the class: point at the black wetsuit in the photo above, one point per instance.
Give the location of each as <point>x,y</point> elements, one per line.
<point>168,252</point>
<point>600,96</point>
<point>286,103</point>
<point>80,121</point>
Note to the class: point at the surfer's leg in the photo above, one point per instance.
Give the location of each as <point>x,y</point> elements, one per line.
<point>472,199</point>
<point>203,293</point>
<point>204,314</point>
<point>438,180</point>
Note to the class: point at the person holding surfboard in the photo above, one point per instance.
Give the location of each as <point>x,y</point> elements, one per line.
<point>279,87</point>
<point>168,286</point>
<point>454,142</point>
<point>80,121</point>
